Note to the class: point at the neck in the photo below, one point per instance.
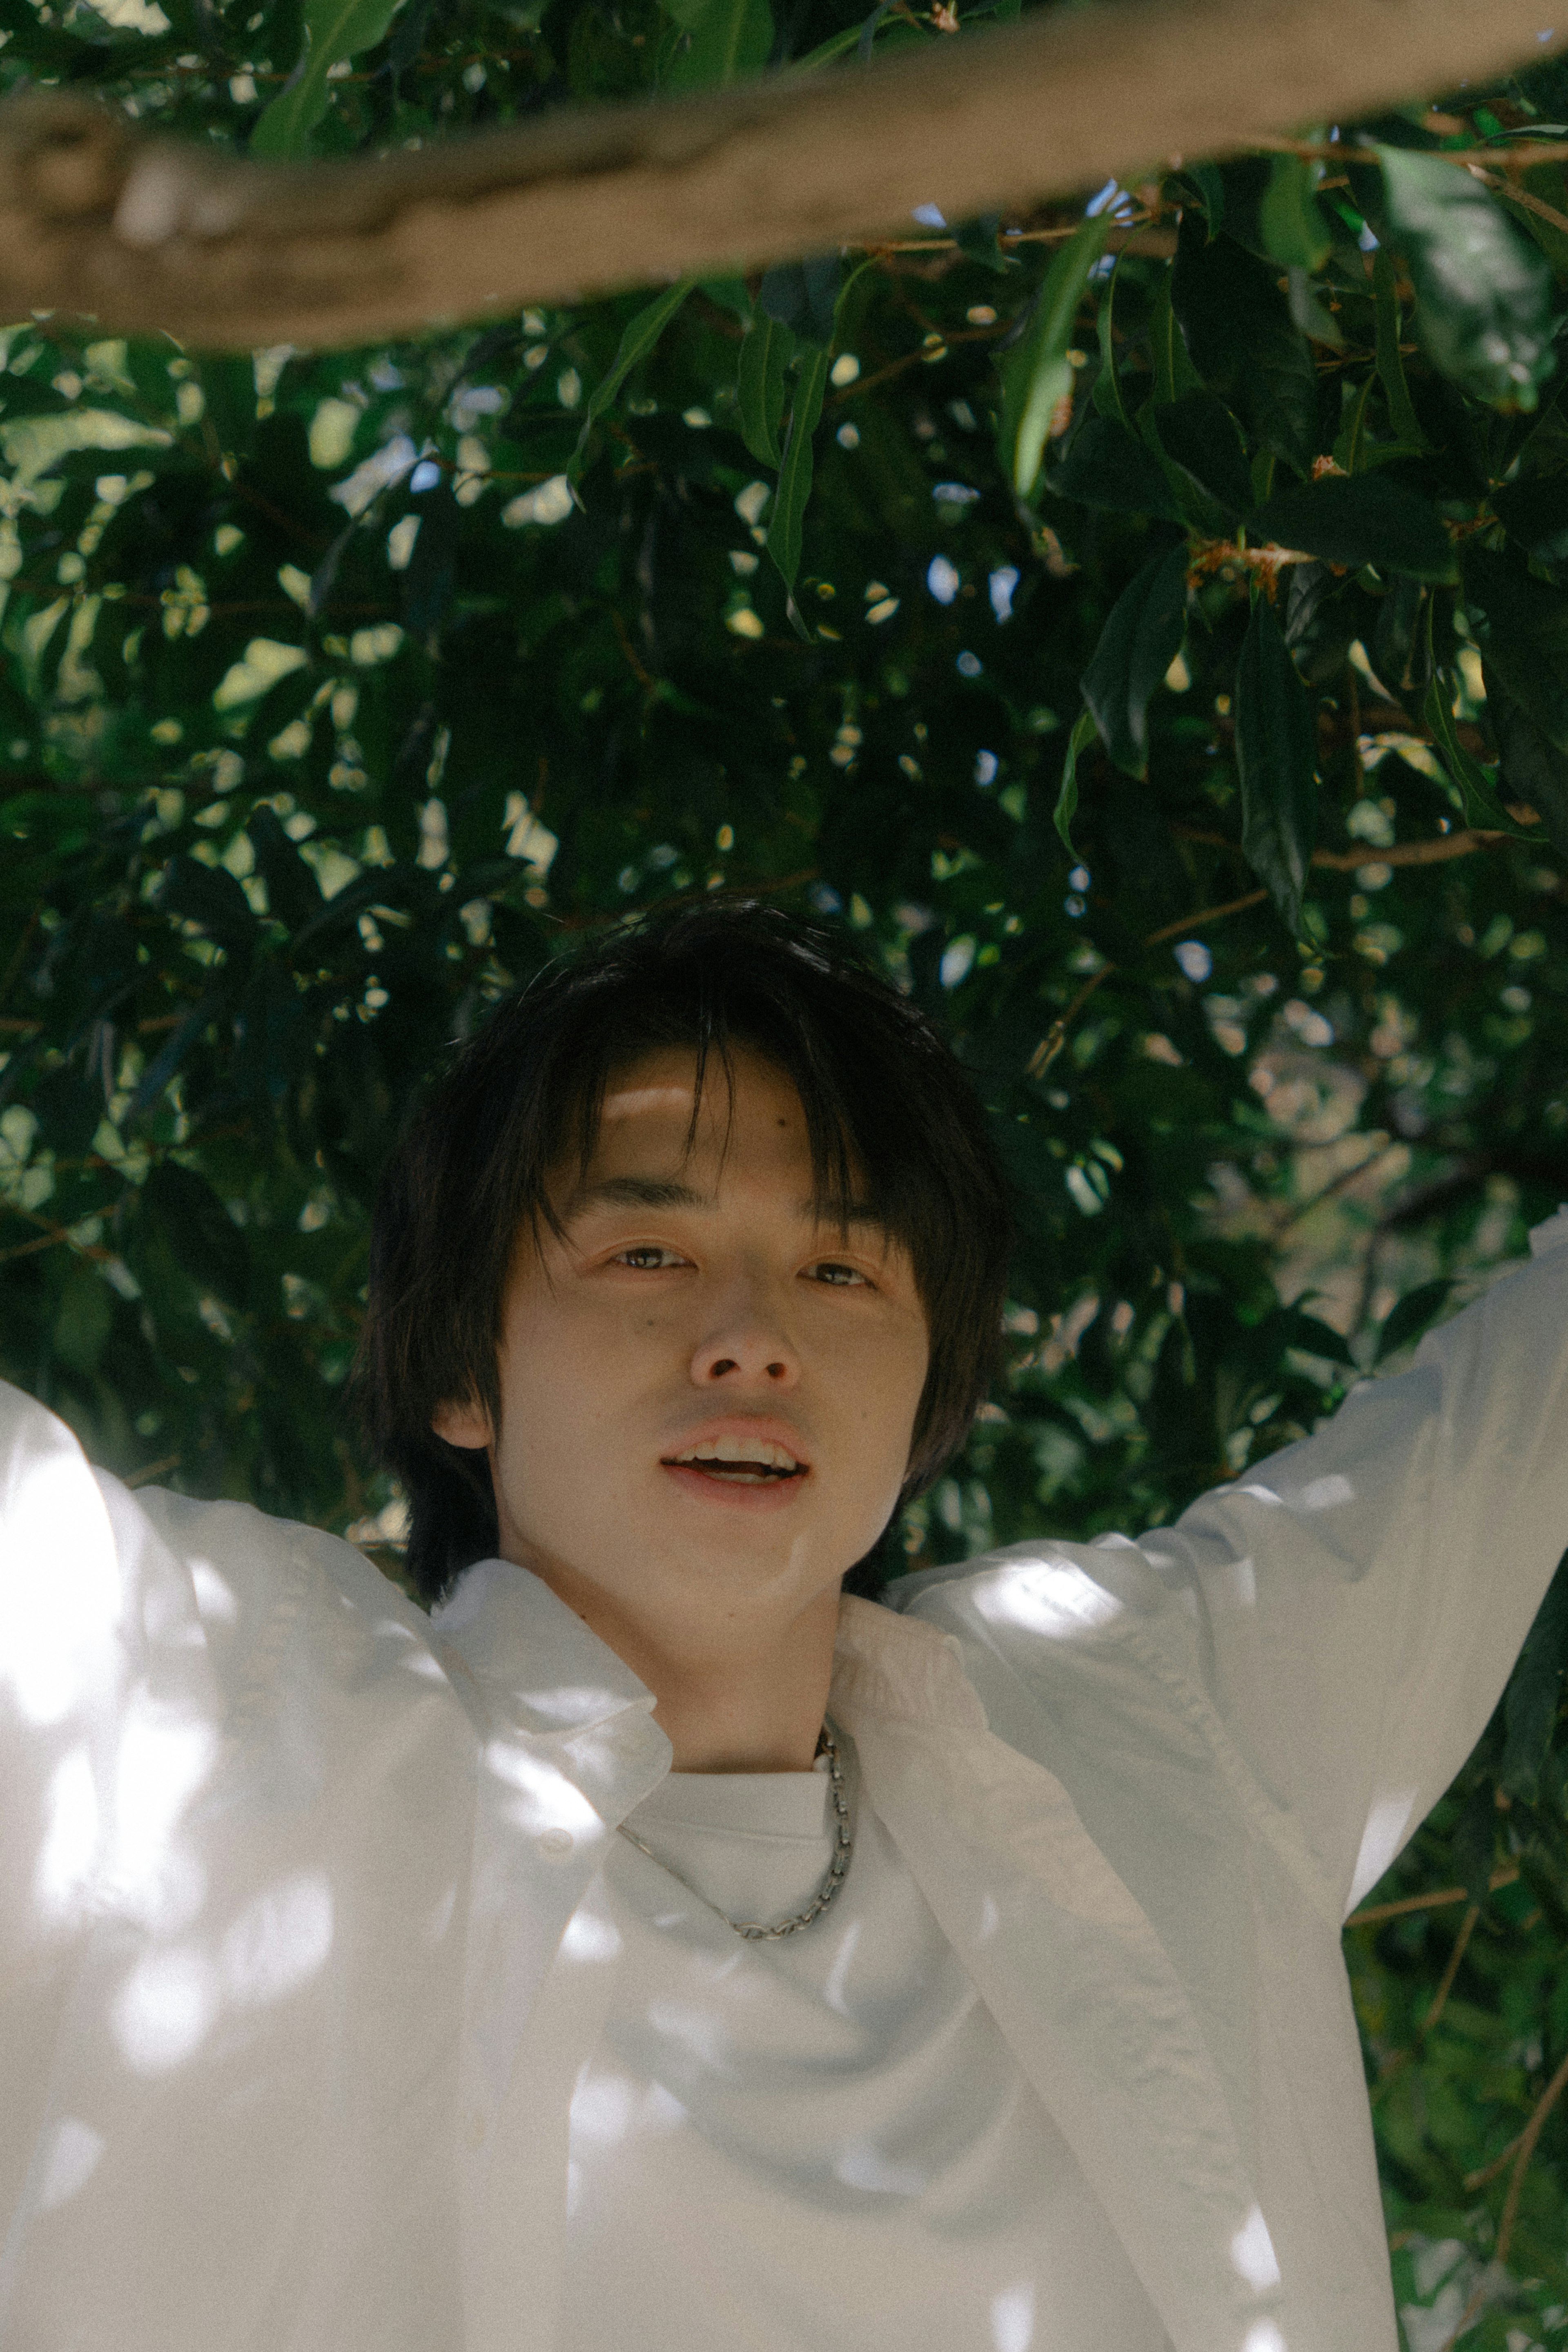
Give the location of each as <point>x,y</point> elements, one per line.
<point>751,1705</point>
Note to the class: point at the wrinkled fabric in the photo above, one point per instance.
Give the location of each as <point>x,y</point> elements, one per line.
<point>303,1893</point>
<point>822,2140</point>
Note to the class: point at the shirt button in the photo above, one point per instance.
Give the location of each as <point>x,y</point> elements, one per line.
<point>556,1841</point>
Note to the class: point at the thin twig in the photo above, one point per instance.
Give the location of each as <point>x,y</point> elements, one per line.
<point>1499,2163</point>
<point>1503,187</point>
<point>1434,851</point>
<point>153,1470</point>
<point>1445,1983</point>
<point>1504,1876</point>
<point>1380,1150</point>
<point>1335,151</point>
<point>1055,1037</point>
<point>1204,915</point>
<point>1527,2141</point>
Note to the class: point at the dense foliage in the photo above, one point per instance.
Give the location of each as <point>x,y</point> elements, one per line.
<point>1148,632</point>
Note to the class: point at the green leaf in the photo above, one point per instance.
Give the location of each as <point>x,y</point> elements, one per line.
<point>1536,512</point>
<point>1173,371</point>
<point>1535,1694</point>
<point>1106,466</point>
<point>766,350</point>
<point>334,31</point>
<point>1108,397</point>
<point>70,1104</point>
<point>784,526</point>
<point>210,897</point>
<point>1038,374</point>
<point>804,296</point>
<point>1532,769</point>
<point>1522,628</point>
<point>1390,358</point>
<point>727,39</point>
<point>1359,518</point>
<point>1474,1846</point>
<point>1477,786</point>
<point>200,1232</point>
<point>1484,293</point>
<point>1289,217</point>
<point>977,241</point>
<point>83,1319</point>
<point>1276,759</point>
<point>1239,330</point>
<point>1410,1316</point>
<point>1140,641</point>
<point>637,339</point>
<point>1198,435</point>
<point>1082,735</point>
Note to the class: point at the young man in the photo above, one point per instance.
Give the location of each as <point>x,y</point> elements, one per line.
<point>650,1947</point>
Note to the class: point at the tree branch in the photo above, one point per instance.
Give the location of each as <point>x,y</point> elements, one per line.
<point>148,234</point>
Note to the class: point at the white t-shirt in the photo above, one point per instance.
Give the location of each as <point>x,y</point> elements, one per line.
<point>820,2144</point>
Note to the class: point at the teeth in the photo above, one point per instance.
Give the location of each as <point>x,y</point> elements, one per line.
<point>741,1449</point>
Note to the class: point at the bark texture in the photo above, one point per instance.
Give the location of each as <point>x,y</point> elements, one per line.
<point>149,234</point>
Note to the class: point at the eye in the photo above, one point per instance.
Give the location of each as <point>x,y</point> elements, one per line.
<point>838,1276</point>
<point>645,1256</point>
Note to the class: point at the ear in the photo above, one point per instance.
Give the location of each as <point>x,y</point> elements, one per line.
<point>461,1424</point>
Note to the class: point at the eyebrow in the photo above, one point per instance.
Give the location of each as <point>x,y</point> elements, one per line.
<point>667,1192</point>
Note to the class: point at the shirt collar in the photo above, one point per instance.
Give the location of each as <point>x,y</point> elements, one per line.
<point>530,1673</point>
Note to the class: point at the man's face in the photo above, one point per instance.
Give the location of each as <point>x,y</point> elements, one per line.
<point>707,1398</point>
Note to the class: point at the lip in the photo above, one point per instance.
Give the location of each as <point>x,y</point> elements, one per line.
<point>742,1425</point>
<point>774,1495</point>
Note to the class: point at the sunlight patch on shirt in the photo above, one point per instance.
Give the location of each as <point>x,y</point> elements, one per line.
<point>833,1990</point>
<point>543,1798</point>
<point>70,1841</point>
<point>590,1938</point>
<point>164,2009</point>
<point>1264,2336</point>
<point>1387,1826</point>
<point>602,2109</point>
<point>279,1941</point>
<point>1252,2252</point>
<point>71,2162</point>
<point>1012,2319</point>
<point>214,1597</point>
<point>62,1596</point>
<point>1055,1599</point>
<point>159,1768</point>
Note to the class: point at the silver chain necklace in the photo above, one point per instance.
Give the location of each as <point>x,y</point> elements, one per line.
<point>757,1930</point>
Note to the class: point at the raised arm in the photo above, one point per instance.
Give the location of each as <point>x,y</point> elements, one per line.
<point>1344,1618</point>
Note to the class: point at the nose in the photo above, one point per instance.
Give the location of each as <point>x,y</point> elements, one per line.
<point>746,1348</point>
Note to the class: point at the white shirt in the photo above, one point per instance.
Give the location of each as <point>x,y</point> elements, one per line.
<point>822,2143</point>
<point>301,1956</point>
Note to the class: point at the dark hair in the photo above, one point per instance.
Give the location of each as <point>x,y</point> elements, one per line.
<point>882,1095</point>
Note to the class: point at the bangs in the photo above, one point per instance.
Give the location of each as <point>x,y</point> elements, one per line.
<point>848,1186</point>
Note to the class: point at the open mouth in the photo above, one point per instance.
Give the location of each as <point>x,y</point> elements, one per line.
<point>739,1462</point>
